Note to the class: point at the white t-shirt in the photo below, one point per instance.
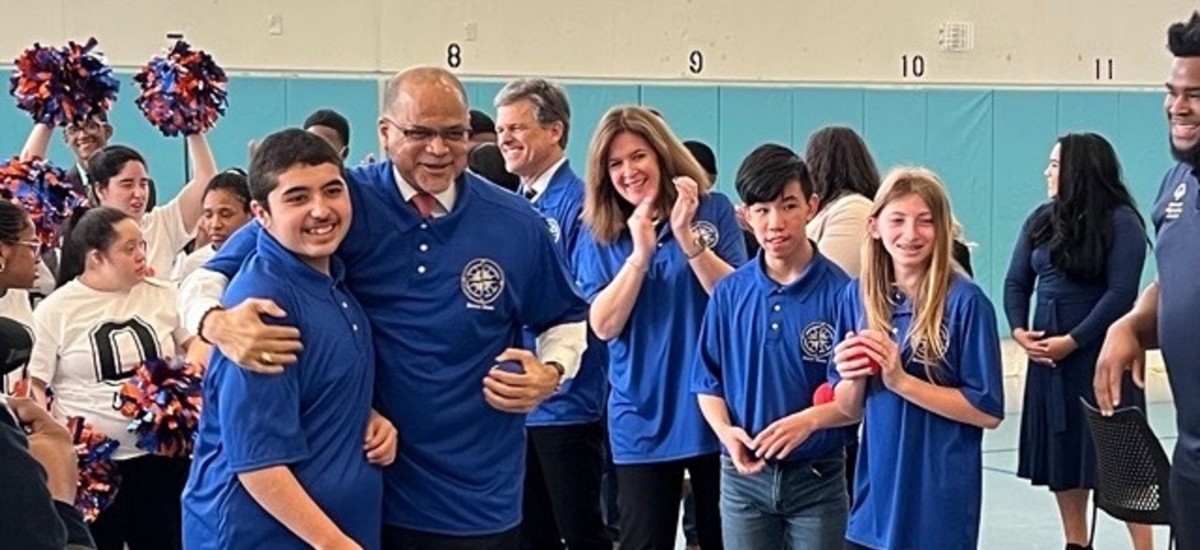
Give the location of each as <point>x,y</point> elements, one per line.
<point>87,342</point>
<point>191,262</point>
<point>165,236</point>
<point>14,305</point>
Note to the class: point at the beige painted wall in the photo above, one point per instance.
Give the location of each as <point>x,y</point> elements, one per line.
<point>1020,42</point>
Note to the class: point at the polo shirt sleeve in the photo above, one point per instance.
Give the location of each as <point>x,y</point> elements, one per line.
<point>706,370</point>
<point>235,250</point>
<point>980,368</point>
<point>731,245</point>
<point>844,316</point>
<point>592,272</point>
<point>259,414</point>
<point>549,296</point>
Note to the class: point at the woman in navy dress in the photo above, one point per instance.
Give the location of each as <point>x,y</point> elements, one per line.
<point>1084,250</point>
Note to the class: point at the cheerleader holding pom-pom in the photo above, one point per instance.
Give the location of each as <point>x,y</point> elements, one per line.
<point>185,96</point>
<point>90,335</point>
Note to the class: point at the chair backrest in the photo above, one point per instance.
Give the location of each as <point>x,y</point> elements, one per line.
<point>1132,470</point>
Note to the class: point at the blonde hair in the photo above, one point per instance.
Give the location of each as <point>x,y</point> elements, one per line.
<point>604,211</point>
<point>925,335</point>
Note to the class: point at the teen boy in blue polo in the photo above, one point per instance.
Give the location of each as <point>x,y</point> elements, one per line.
<point>279,460</point>
<point>447,301</point>
<point>764,346</point>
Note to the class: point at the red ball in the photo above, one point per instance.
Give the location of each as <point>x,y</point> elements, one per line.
<point>823,395</point>
<point>871,363</point>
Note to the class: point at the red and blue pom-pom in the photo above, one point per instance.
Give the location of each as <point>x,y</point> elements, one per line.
<point>38,187</point>
<point>164,400</point>
<point>98,475</point>
<point>60,86</point>
<point>183,92</point>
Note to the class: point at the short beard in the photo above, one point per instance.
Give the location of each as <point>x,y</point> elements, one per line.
<point>1191,155</point>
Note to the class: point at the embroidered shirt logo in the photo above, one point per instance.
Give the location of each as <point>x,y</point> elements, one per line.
<point>1175,207</point>
<point>555,229</point>
<point>482,283</point>
<point>817,341</point>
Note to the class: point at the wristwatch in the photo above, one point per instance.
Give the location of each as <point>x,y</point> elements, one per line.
<point>562,374</point>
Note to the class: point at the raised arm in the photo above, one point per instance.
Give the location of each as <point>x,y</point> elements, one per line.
<point>204,167</point>
<point>38,143</point>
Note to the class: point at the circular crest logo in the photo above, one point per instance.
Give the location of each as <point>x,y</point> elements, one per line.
<point>1180,191</point>
<point>817,341</point>
<point>482,281</point>
<point>706,233</point>
<point>555,229</point>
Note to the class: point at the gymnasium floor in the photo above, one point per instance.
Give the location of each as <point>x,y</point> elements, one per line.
<point>1017,515</point>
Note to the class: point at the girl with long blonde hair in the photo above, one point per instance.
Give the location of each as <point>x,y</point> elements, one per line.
<point>921,362</point>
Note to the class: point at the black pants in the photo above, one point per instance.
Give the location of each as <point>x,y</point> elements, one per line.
<point>396,538</point>
<point>145,513</point>
<point>648,495</point>
<point>562,489</point>
<point>1185,512</point>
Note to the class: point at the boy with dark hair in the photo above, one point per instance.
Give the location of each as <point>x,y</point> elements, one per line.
<point>764,348</point>
<point>332,127</point>
<point>279,458</point>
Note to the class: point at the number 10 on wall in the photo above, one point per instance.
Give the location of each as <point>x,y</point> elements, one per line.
<point>912,66</point>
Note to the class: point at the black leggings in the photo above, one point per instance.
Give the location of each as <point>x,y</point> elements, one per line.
<point>648,496</point>
<point>145,513</point>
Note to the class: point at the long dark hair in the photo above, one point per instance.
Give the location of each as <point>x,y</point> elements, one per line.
<point>1077,224</point>
<point>840,164</point>
<point>89,229</point>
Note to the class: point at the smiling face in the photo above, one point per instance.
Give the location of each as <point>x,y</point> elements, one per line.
<point>906,228</point>
<point>425,131</point>
<point>309,212</point>
<point>86,137</point>
<point>634,168</point>
<point>529,148</point>
<point>1182,105</point>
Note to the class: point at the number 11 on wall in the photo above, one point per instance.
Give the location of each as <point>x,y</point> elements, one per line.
<point>1103,65</point>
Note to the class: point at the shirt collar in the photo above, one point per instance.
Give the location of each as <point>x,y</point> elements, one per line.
<point>802,286</point>
<point>445,199</point>
<point>542,181</point>
<point>271,249</point>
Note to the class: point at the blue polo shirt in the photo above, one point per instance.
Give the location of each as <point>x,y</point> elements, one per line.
<point>652,414</point>
<point>582,398</point>
<point>765,347</point>
<point>919,475</point>
<point>445,297</point>
<point>1177,223</point>
<point>312,418</point>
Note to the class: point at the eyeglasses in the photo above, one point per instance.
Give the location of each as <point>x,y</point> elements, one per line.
<point>34,245</point>
<point>456,134</point>
<point>87,127</point>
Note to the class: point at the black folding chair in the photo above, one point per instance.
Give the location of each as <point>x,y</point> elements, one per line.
<point>1132,470</point>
